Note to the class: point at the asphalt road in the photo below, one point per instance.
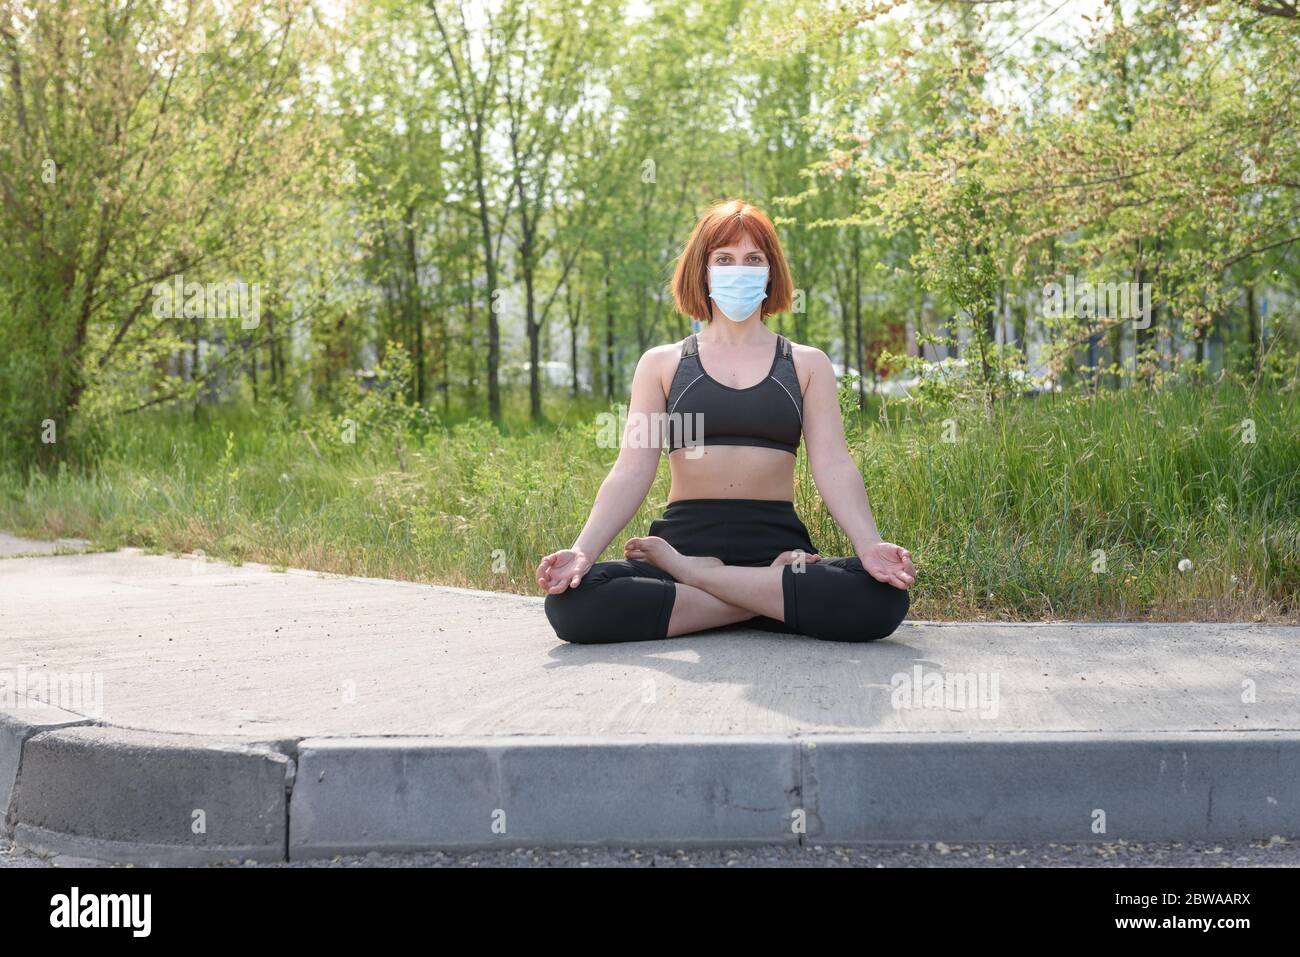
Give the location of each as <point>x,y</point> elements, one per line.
<point>1274,853</point>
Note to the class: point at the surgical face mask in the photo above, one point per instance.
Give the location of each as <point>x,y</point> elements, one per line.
<point>738,290</point>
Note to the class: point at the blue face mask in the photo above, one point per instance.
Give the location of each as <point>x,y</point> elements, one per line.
<point>738,290</point>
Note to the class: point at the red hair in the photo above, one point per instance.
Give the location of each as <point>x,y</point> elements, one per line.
<point>721,225</point>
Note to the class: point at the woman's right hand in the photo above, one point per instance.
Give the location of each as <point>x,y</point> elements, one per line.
<point>562,569</point>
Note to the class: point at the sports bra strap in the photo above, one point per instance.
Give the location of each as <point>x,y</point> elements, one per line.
<point>689,347</point>
<point>785,345</point>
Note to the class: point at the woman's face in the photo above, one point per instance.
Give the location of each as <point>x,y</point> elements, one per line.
<point>741,253</point>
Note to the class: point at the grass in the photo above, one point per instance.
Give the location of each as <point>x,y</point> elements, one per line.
<point>1052,508</point>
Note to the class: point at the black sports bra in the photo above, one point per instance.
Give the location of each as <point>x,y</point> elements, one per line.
<point>703,411</point>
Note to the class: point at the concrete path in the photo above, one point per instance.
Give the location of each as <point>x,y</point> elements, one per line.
<point>11,546</point>
<point>202,711</point>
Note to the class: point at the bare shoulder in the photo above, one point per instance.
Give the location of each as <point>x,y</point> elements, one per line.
<point>658,363</point>
<point>667,351</point>
<point>810,354</point>
<point>810,362</point>
<point>661,359</point>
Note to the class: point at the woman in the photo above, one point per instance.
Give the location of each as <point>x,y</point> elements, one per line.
<point>736,398</point>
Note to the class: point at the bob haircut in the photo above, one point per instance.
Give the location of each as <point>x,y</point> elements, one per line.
<point>721,225</point>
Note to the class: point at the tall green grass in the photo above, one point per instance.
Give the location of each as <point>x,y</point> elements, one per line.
<point>1009,520</point>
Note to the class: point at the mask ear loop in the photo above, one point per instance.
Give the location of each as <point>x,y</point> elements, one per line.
<point>708,297</point>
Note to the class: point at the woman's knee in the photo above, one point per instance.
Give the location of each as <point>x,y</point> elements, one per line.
<point>889,606</point>
<point>611,604</point>
<point>574,616</point>
<point>866,609</point>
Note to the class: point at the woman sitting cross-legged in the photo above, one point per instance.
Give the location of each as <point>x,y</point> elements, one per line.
<point>735,401</point>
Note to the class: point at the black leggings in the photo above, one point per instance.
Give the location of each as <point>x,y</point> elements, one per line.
<point>833,598</point>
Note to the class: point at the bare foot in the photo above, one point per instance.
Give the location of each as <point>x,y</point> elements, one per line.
<point>790,557</point>
<point>660,554</point>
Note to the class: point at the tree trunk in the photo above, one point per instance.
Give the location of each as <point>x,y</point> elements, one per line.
<point>1252,329</point>
<point>415,318</point>
<point>490,265</point>
<point>609,332</point>
<point>575,315</point>
<point>534,339</point>
<point>857,320</point>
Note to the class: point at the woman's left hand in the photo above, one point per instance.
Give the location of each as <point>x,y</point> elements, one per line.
<point>889,563</point>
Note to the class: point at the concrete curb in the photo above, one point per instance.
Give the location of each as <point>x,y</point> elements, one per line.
<point>16,728</point>
<point>139,796</point>
<point>132,796</point>
<point>396,794</point>
<point>418,794</point>
<point>1072,787</point>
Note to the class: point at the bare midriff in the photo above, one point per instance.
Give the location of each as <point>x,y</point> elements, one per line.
<point>731,471</point>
